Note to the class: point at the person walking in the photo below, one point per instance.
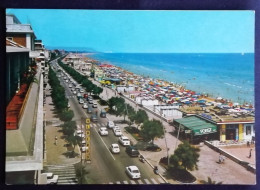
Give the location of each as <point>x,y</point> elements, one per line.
<point>56,140</point>
<point>250,153</point>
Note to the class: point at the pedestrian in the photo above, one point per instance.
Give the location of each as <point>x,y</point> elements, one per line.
<point>250,154</point>
<point>248,144</point>
<point>220,160</point>
<point>56,140</point>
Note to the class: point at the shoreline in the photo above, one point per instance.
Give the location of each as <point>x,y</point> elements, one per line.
<point>207,96</point>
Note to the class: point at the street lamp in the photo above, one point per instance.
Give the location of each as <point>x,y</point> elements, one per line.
<point>160,111</point>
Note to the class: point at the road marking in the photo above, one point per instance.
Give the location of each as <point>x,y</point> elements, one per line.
<point>118,182</point>
<point>140,181</point>
<point>132,182</point>
<point>160,180</point>
<point>125,182</point>
<point>110,183</point>
<point>147,181</point>
<point>104,143</point>
<point>153,180</point>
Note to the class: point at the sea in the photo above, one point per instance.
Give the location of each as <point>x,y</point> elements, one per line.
<point>230,76</point>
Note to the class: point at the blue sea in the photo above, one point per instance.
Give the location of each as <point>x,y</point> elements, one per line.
<point>230,76</point>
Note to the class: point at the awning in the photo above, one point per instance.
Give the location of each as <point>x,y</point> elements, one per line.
<point>197,125</point>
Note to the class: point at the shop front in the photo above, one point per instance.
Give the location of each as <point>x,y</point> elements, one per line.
<point>195,129</point>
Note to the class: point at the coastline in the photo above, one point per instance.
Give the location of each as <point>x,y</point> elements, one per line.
<point>232,79</point>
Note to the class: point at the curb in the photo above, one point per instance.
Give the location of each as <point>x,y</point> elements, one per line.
<point>153,168</point>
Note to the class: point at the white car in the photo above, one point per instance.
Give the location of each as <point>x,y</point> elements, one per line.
<point>117,132</point>
<point>124,140</point>
<point>103,131</point>
<point>83,149</point>
<point>94,105</point>
<point>114,148</point>
<point>70,85</point>
<point>74,92</point>
<point>81,90</point>
<point>110,124</point>
<point>133,172</point>
<point>81,101</point>
<point>85,106</point>
<point>51,178</point>
<point>68,105</point>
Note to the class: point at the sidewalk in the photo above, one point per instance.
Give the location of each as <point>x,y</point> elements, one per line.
<point>227,173</point>
<point>55,154</point>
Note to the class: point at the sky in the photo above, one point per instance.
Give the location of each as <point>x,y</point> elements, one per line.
<point>143,31</point>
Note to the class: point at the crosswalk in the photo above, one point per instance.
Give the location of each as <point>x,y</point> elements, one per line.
<point>66,173</point>
<point>150,181</point>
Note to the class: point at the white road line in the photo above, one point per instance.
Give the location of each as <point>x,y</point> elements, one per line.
<point>153,180</point>
<point>125,182</point>
<point>132,182</point>
<point>140,181</point>
<point>147,181</point>
<point>110,183</point>
<point>104,143</point>
<point>160,180</point>
<point>118,182</point>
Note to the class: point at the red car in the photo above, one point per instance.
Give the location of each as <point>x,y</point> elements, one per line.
<point>85,95</point>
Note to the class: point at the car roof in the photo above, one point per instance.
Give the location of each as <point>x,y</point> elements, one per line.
<point>133,167</point>
<point>103,128</point>
<point>124,137</point>
<point>115,144</point>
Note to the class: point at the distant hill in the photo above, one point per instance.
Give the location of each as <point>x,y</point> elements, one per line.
<point>73,49</point>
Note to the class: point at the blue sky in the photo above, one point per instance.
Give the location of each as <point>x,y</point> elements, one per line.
<point>143,31</point>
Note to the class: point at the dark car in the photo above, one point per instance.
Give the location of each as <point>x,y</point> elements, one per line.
<point>94,118</point>
<point>152,147</point>
<point>103,114</point>
<point>132,151</point>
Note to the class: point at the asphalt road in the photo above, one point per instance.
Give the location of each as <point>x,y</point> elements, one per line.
<point>105,167</point>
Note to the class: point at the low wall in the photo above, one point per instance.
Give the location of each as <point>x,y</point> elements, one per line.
<point>231,157</point>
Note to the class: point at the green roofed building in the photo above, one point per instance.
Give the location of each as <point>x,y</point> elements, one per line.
<point>196,129</point>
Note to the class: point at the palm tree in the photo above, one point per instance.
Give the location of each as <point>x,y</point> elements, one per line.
<point>210,181</point>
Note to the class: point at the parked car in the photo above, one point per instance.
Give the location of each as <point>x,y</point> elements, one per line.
<point>103,131</point>
<point>133,172</point>
<point>114,148</point>
<point>94,118</point>
<point>81,101</point>
<point>94,105</point>
<point>124,140</point>
<point>117,132</point>
<point>85,106</point>
<point>83,148</point>
<point>68,105</point>
<point>51,178</point>
<point>110,124</point>
<point>132,151</point>
<point>70,85</point>
<point>90,101</point>
<point>74,92</point>
<point>103,114</point>
<point>152,147</point>
<point>81,90</point>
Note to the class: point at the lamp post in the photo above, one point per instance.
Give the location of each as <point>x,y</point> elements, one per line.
<point>167,152</point>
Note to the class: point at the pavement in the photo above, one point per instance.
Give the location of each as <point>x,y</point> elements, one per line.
<point>55,153</point>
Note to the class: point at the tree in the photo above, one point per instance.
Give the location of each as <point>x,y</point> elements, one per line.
<point>210,181</point>
<point>140,117</point>
<point>73,140</point>
<point>69,127</point>
<point>66,115</point>
<point>185,157</point>
<point>151,129</point>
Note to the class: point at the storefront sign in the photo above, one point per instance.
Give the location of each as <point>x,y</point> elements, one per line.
<point>204,131</point>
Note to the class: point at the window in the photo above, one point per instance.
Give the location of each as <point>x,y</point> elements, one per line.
<point>248,130</point>
<point>10,38</point>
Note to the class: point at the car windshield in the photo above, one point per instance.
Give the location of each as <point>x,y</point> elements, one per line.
<point>135,171</point>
